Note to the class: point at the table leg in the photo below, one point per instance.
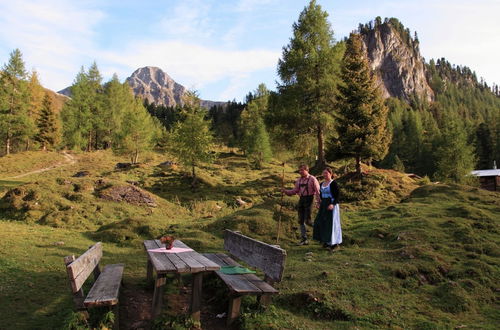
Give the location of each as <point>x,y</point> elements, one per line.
<point>196,296</point>
<point>158,294</point>
<point>149,272</point>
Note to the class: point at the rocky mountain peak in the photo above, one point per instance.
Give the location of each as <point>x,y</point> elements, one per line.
<point>156,86</point>
<point>395,57</point>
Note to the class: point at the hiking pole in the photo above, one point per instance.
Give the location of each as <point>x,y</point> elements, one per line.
<point>281,203</point>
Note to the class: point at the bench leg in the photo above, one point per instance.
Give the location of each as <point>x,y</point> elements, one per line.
<point>158,294</point>
<point>116,312</point>
<point>264,300</point>
<point>234,309</point>
<point>149,272</point>
<point>196,296</point>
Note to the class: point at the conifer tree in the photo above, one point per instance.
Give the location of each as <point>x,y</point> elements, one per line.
<point>137,131</point>
<point>255,139</point>
<point>191,139</point>
<point>118,100</point>
<point>15,125</point>
<point>362,126</point>
<point>309,70</point>
<point>76,113</point>
<point>83,116</point>
<point>455,157</point>
<point>36,94</point>
<point>47,124</point>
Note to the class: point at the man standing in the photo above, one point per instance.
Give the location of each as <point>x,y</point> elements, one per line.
<point>306,187</point>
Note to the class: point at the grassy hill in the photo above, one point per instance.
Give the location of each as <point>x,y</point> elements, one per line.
<point>413,256</point>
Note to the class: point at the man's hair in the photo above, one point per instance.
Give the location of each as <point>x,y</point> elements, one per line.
<point>305,166</point>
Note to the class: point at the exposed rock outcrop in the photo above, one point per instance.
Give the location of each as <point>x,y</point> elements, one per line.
<point>154,85</point>
<point>396,59</point>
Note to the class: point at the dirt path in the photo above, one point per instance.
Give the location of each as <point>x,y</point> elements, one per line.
<point>69,159</point>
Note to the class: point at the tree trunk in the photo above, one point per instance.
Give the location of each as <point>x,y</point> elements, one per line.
<point>136,156</point>
<point>320,162</point>
<point>7,144</point>
<point>358,165</point>
<point>193,183</point>
<point>89,143</point>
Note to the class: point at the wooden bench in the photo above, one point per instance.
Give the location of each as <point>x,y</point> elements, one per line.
<point>107,282</point>
<point>268,258</point>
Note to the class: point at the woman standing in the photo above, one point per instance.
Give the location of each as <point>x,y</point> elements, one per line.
<point>327,228</point>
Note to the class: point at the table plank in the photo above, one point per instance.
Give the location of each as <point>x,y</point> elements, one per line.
<point>161,263</point>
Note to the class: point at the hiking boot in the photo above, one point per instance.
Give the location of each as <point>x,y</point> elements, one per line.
<point>304,242</point>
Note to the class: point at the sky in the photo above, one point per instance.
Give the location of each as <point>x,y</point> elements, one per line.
<point>224,49</point>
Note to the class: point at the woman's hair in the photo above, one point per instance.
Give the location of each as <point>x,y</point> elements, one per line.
<point>304,166</point>
<point>329,170</point>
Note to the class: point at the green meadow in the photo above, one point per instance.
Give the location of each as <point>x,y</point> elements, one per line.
<point>415,254</point>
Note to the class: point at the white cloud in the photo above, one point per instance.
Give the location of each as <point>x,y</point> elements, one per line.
<point>53,35</point>
<point>189,19</point>
<point>193,64</point>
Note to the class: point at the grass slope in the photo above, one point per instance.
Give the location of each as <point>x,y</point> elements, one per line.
<point>425,257</point>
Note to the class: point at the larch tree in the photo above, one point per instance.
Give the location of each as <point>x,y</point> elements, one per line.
<point>118,101</point>
<point>308,70</point>
<point>255,138</point>
<point>82,115</point>
<point>137,131</point>
<point>47,134</point>
<point>455,156</point>
<point>15,125</point>
<point>362,124</point>
<point>191,140</point>
<point>36,97</point>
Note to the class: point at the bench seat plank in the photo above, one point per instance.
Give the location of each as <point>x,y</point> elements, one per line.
<point>240,283</point>
<point>106,289</point>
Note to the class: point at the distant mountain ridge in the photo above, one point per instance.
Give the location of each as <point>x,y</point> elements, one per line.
<point>157,87</point>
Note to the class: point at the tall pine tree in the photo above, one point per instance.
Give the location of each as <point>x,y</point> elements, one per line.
<point>455,157</point>
<point>362,126</point>
<point>47,134</point>
<point>15,125</point>
<point>309,70</point>
<point>36,95</point>
<point>255,139</point>
<point>191,139</point>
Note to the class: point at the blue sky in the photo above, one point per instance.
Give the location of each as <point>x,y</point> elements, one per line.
<point>222,48</point>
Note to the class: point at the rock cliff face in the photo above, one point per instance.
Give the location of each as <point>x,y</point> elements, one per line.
<point>396,59</point>
<point>156,86</point>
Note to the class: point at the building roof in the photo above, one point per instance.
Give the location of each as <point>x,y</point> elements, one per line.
<point>493,172</point>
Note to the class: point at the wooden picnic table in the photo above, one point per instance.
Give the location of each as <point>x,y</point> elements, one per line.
<point>163,263</point>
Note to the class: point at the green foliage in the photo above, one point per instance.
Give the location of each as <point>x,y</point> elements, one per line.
<point>47,125</point>
<point>78,114</point>
<point>175,322</point>
<point>226,122</point>
<point>308,70</point>
<point>191,139</point>
<point>255,139</point>
<point>455,156</point>
<point>138,131</point>
<point>15,124</point>
<point>362,131</point>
